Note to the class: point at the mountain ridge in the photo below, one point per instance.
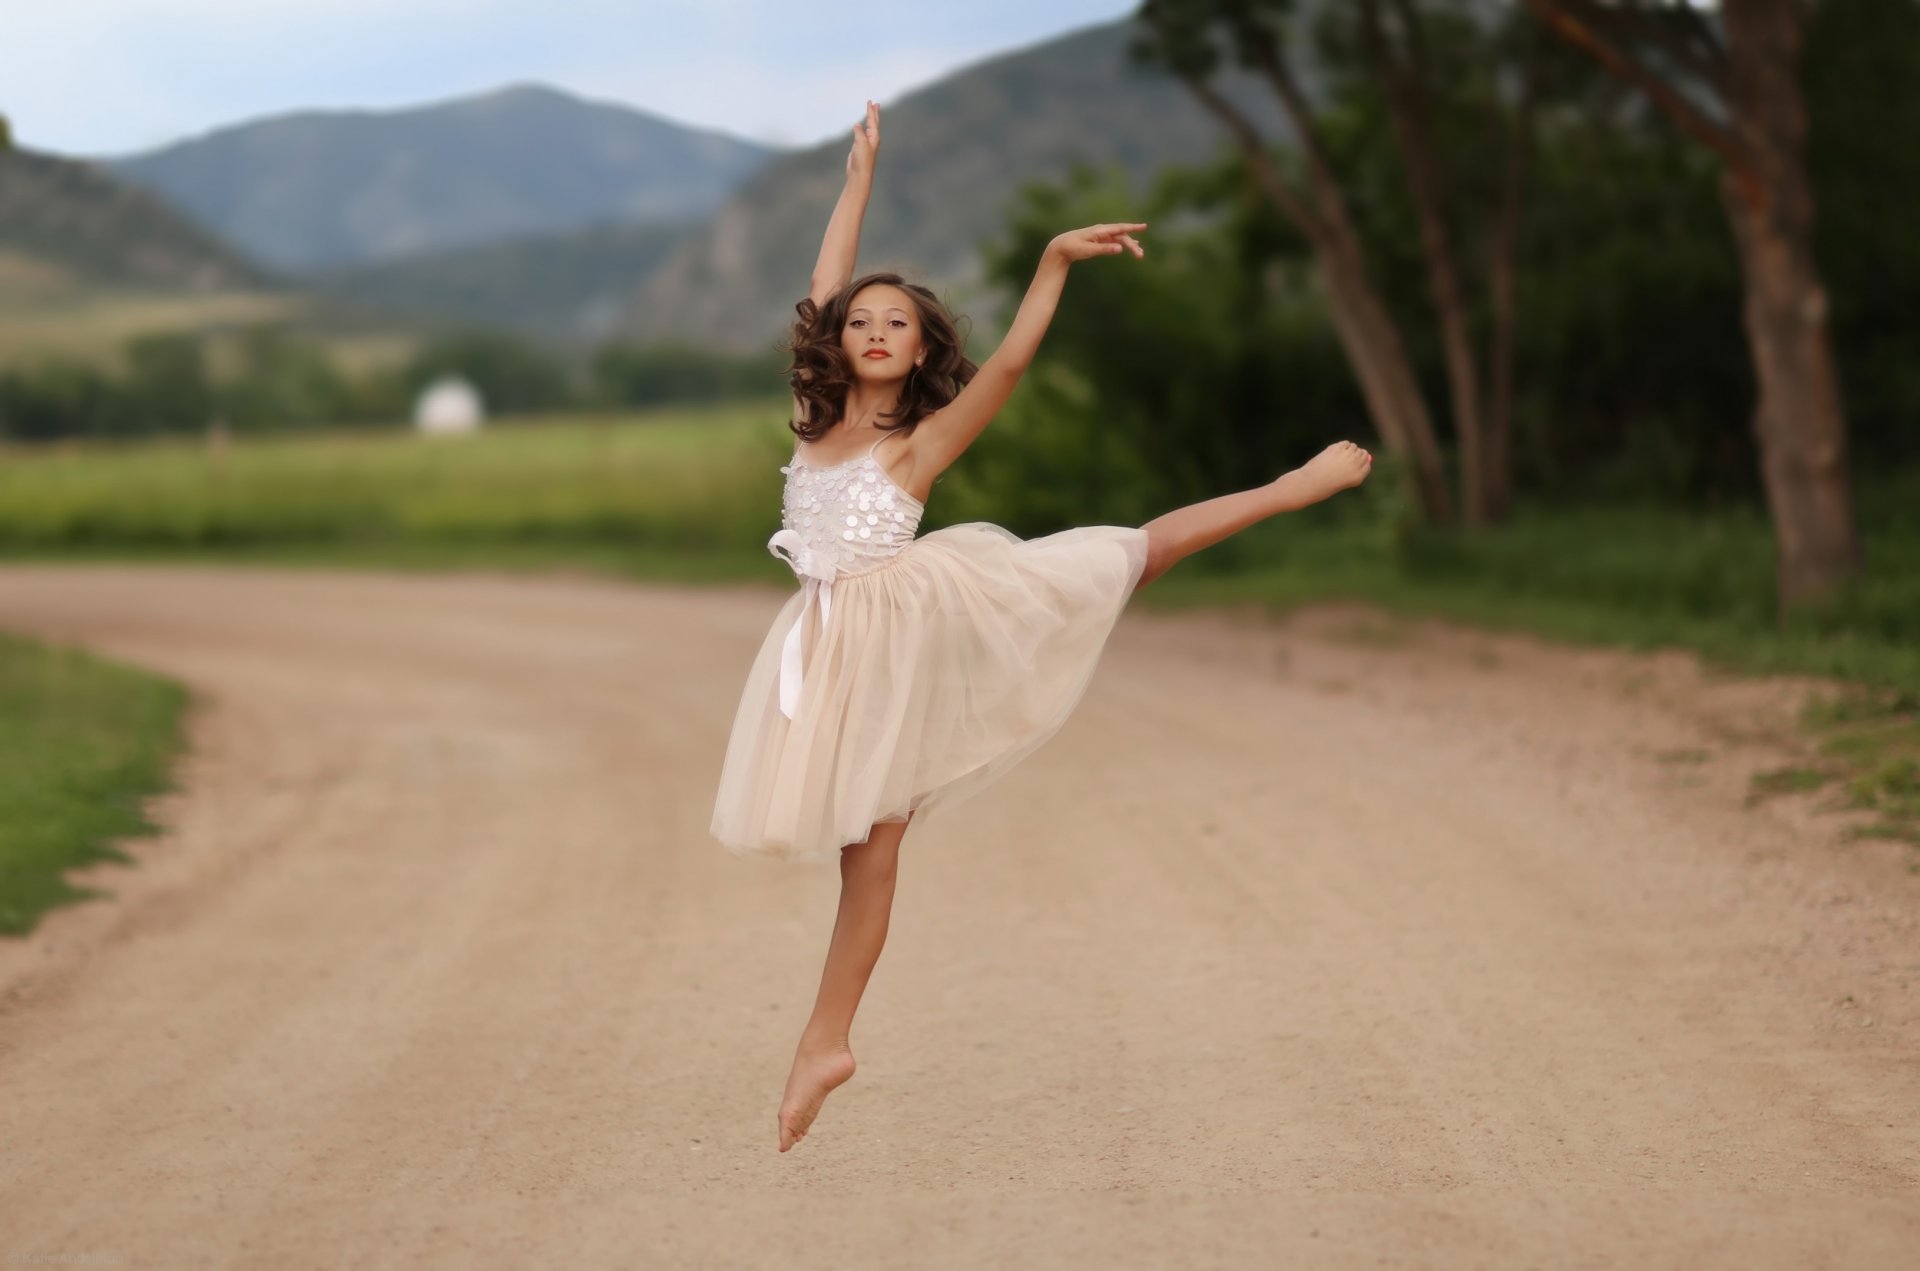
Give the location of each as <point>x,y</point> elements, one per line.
<point>311,190</point>
<point>83,227</point>
<point>953,154</point>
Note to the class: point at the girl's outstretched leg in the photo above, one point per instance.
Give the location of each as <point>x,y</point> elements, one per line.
<point>824,1060</point>
<point>1178,534</point>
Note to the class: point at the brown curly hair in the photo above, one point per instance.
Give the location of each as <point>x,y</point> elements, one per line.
<point>821,373</point>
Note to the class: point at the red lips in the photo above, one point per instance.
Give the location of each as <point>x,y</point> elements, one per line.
<point>876,353</point>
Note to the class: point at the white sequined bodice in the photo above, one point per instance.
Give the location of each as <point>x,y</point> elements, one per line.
<point>851,516</point>
<point>848,518</point>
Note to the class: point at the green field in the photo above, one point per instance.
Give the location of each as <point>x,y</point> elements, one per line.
<point>691,494</point>
<point>697,481</point>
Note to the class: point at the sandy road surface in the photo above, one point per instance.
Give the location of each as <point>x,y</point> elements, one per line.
<point>1303,944</point>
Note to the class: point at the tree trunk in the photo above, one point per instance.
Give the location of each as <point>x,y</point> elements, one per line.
<point>1367,334</point>
<point>1499,457</point>
<point>1379,360</point>
<point>1462,380</point>
<point>1405,90</point>
<point>1503,247</point>
<point>1798,418</point>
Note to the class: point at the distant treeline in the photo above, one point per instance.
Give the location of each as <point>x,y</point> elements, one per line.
<point>271,378</point>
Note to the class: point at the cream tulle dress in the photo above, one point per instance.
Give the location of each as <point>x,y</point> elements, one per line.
<point>907,674</point>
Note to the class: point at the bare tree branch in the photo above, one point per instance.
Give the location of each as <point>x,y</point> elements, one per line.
<point>1503,247</point>
<point>1416,43</point>
<point>1675,29</point>
<point>1260,44</point>
<point>1584,24</point>
<point>1703,36</point>
<point>1265,170</point>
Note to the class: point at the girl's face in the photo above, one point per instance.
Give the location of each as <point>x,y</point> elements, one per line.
<point>882,337</point>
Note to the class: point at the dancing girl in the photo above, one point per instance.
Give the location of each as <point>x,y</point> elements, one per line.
<point>908,673</point>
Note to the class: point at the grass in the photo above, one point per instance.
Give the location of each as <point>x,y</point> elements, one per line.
<point>83,743</point>
<point>1870,746</point>
<point>692,480</point>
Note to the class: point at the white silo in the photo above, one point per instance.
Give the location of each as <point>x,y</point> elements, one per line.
<point>449,405</point>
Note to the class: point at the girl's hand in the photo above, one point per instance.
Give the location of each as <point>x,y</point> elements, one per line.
<point>866,145</point>
<point>1097,240</point>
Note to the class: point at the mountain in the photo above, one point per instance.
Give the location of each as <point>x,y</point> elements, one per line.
<point>324,189</point>
<point>952,157</point>
<point>67,226</point>
<point>565,289</point>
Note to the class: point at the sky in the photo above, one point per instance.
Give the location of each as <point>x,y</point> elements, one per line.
<point>102,78</point>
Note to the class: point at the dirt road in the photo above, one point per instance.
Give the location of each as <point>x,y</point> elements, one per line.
<point>1326,942</point>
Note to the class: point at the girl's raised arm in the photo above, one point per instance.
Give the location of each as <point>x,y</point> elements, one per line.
<point>944,436</point>
<point>842,243</point>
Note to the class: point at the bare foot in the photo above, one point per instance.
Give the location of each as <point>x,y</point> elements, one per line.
<point>814,1076</point>
<point>1340,466</point>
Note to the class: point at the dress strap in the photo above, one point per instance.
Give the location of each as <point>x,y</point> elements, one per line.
<point>883,436</point>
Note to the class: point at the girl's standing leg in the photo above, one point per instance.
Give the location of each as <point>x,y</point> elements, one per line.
<point>1180,533</point>
<point>824,1059</point>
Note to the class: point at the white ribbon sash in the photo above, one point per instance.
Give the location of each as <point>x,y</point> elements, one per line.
<point>817,582</point>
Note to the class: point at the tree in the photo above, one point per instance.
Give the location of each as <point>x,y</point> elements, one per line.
<point>1182,39</point>
<point>1396,51</point>
<point>1755,121</point>
<point>1397,59</point>
<point>513,375</point>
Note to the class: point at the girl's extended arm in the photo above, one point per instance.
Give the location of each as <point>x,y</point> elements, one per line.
<point>834,269</point>
<point>945,435</point>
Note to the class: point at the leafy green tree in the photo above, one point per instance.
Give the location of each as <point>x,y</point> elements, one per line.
<point>283,382</point>
<point>647,375</point>
<point>167,375</point>
<point>1167,384</point>
<point>1220,363</point>
<point>61,399</point>
<point>1863,112</point>
<point>1185,37</point>
<point>1634,378</point>
<point>1747,62</point>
